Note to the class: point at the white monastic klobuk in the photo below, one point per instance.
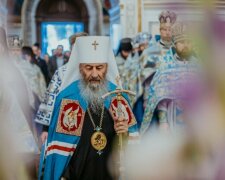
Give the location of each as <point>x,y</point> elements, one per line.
<point>90,49</point>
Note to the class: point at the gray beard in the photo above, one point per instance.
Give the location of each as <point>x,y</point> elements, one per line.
<point>92,94</point>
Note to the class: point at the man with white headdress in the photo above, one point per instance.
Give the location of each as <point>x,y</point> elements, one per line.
<point>44,113</point>
<point>83,125</point>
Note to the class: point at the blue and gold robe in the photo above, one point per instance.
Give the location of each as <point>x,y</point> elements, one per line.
<point>64,133</point>
<point>171,86</point>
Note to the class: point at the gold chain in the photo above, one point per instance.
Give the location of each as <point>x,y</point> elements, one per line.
<point>101,118</point>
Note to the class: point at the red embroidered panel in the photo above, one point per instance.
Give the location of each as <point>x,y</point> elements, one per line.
<point>71,118</point>
<point>122,110</point>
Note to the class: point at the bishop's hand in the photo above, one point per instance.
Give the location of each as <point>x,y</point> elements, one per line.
<point>121,126</point>
<point>44,136</point>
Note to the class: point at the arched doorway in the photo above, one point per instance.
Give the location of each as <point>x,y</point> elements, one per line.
<point>29,10</point>
<point>57,20</point>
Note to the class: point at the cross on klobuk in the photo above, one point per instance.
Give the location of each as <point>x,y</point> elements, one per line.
<point>95,44</point>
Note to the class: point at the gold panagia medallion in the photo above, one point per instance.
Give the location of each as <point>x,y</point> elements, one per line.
<point>98,140</point>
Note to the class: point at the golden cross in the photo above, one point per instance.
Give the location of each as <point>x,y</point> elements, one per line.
<point>95,44</point>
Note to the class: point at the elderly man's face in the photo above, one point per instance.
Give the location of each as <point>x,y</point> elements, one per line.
<point>94,73</point>
<point>183,48</point>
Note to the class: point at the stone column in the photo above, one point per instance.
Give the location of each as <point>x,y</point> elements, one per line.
<point>28,21</point>
<point>129,16</point>
<point>95,16</point>
<point>29,24</point>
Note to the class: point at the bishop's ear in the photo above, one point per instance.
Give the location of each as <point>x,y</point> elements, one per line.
<point>81,66</point>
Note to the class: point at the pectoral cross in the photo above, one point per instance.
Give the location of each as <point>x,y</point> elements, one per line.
<point>95,44</point>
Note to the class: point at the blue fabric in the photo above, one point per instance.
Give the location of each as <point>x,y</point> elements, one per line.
<point>157,37</point>
<point>55,164</point>
<point>166,79</point>
<point>138,111</point>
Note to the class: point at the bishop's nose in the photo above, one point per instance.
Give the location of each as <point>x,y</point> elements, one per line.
<point>94,73</point>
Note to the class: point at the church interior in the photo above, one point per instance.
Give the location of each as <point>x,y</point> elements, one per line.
<point>168,54</point>
<point>29,19</point>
